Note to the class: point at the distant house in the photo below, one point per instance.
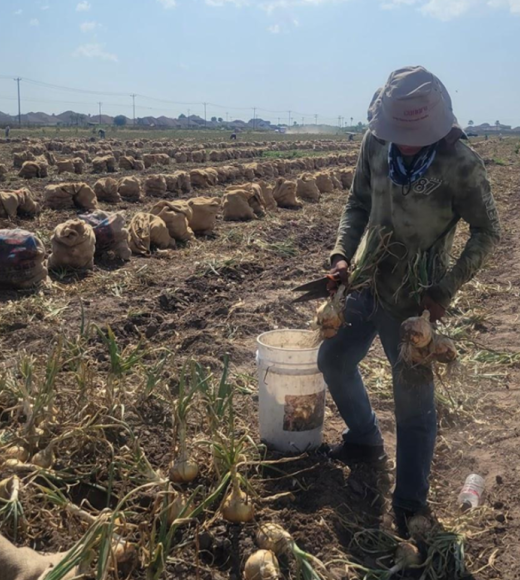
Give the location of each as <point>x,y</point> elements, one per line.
<point>487,128</point>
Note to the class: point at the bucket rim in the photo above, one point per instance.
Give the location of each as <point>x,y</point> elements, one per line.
<point>279,348</point>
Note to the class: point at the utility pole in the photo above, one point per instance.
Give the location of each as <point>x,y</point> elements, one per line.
<point>100,112</point>
<point>278,121</point>
<point>133,105</point>
<point>289,119</point>
<point>227,115</point>
<point>316,119</point>
<point>19,106</point>
<point>339,121</point>
<point>205,118</point>
<point>303,121</point>
<point>351,121</point>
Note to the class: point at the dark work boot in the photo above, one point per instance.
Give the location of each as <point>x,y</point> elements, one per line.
<point>353,453</point>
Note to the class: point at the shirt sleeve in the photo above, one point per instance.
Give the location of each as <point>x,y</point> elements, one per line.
<point>475,205</point>
<point>356,214</point>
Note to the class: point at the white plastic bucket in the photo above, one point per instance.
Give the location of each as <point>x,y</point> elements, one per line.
<point>291,390</point>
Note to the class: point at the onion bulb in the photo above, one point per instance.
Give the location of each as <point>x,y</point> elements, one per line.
<point>123,551</point>
<point>443,349</point>
<point>417,330</point>
<point>45,458</point>
<point>184,471</point>
<point>413,356</point>
<point>12,463</point>
<point>273,537</point>
<point>15,452</point>
<point>406,556</point>
<point>419,526</point>
<point>329,316</point>
<point>6,486</point>
<point>176,508</point>
<point>262,565</point>
<point>236,508</point>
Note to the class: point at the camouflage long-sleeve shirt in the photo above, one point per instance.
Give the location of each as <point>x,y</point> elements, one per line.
<point>421,222</point>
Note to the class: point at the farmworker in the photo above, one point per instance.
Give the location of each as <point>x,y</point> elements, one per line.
<point>101,133</point>
<point>233,136</point>
<point>415,179</point>
<point>7,131</point>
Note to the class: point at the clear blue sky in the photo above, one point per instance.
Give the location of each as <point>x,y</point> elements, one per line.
<point>310,56</point>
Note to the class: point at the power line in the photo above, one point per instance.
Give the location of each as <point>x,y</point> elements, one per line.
<point>57,87</point>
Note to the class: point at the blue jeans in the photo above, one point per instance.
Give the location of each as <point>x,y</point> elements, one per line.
<point>413,395</point>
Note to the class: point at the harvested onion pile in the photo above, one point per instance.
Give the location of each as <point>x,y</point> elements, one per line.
<point>421,345</point>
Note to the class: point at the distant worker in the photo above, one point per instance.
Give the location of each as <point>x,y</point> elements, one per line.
<point>233,136</point>
<point>101,133</point>
<point>351,137</point>
<point>7,131</point>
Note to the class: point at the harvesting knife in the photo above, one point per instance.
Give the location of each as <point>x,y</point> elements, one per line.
<point>316,289</point>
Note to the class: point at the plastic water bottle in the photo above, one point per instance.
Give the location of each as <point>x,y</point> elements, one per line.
<point>471,493</point>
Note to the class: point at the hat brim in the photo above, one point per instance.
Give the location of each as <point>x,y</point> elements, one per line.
<point>384,129</point>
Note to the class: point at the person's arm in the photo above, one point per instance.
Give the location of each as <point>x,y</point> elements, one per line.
<point>355,216</point>
<point>476,206</point>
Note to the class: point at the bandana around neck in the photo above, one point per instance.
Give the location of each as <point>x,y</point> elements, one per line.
<point>402,175</point>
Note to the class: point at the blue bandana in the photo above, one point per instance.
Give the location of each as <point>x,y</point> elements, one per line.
<point>402,175</point>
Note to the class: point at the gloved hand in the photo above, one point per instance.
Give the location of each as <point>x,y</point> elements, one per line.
<point>340,270</point>
<point>436,310</point>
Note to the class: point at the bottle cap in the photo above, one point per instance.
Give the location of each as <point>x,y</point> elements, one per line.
<point>466,506</point>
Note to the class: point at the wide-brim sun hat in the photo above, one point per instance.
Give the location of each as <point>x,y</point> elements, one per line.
<point>413,108</point>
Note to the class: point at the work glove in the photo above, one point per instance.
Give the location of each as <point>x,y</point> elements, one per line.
<point>340,271</point>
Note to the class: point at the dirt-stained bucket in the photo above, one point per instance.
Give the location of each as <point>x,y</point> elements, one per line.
<point>291,390</point>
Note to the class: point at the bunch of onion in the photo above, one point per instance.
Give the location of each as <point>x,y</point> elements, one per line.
<point>274,538</point>
<point>421,345</point>
<point>329,315</point>
<point>183,469</point>
<point>262,565</point>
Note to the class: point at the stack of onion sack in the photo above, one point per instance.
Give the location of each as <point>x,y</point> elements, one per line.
<point>22,258</point>
<point>111,234</point>
<point>73,246</point>
<point>421,345</point>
